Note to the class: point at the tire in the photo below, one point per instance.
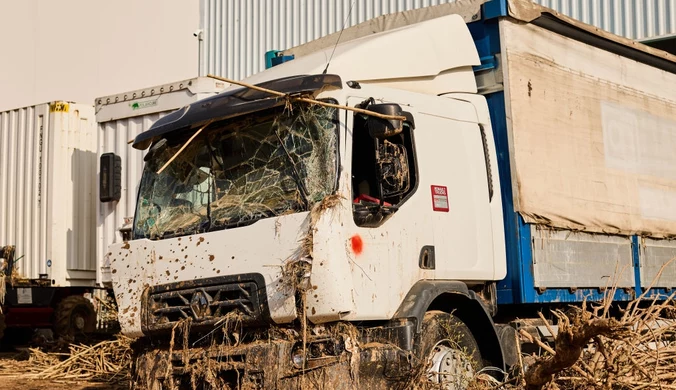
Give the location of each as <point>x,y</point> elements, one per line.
<point>448,351</point>
<point>74,317</point>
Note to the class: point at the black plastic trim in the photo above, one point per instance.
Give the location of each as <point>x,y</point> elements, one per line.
<point>237,102</point>
<point>487,159</point>
<point>458,299</point>
<point>262,312</point>
<point>427,259</point>
<point>421,295</point>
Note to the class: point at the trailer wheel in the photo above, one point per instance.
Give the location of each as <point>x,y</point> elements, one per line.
<point>2,325</point>
<point>75,316</point>
<point>448,350</point>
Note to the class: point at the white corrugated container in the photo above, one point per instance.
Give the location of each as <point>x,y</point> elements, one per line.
<point>120,119</point>
<point>236,34</point>
<point>47,194</point>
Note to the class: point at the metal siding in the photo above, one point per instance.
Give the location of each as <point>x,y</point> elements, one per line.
<point>565,259</point>
<point>113,137</point>
<point>238,33</point>
<point>635,19</point>
<point>46,191</point>
<point>654,255</point>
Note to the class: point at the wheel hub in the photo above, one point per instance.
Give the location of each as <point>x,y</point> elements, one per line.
<point>79,322</point>
<point>451,367</point>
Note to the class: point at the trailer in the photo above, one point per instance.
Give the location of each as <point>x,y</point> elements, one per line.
<point>47,248</point>
<point>453,167</point>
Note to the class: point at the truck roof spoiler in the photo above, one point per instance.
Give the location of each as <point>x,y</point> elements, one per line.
<point>234,102</point>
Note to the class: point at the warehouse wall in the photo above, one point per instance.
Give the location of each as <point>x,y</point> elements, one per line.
<point>635,19</point>
<point>81,49</point>
<point>236,34</point>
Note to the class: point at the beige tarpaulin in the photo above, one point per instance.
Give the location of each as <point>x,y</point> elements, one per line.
<point>593,135</point>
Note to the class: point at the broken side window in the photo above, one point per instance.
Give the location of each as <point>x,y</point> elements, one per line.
<point>383,172</point>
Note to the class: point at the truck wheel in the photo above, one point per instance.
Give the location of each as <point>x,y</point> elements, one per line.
<point>75,316</point>
<point>448,350</point>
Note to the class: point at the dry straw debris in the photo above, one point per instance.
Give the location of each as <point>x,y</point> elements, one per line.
<point>596,349</point>
<point>106,361</point>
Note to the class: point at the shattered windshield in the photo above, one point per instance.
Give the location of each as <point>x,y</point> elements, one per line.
<point>238,171</point>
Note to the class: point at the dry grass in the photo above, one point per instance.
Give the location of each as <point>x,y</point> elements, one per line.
<point>594,349</point>
<point>597,350</point>
<point>636,351</point>
<point>107,361</point>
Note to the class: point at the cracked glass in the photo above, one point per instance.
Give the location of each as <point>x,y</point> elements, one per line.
<point>238,171</point>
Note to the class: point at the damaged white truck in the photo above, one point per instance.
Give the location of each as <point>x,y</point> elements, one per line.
<point>495,155</point>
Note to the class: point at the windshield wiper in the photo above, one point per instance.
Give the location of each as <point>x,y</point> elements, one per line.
<point>230,225</point>
<point>296,176</point>
<point>184,232</point>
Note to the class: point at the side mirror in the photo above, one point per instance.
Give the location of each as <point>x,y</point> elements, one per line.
<point>110,177</point>
<point>380,128</point>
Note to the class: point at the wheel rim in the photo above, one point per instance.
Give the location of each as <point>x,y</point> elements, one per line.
<point>79,323</point>
<point>451,367</point>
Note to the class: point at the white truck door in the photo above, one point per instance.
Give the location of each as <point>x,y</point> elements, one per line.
<point>452,164</point>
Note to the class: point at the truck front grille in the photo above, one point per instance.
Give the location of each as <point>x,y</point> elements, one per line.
<point>206,301</point>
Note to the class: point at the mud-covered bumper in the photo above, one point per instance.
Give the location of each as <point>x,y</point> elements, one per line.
<point>270,365</point>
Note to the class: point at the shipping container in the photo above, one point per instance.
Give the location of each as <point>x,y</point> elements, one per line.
<point>47,179</point>
<point>120,118</point>
<point>235,35</point>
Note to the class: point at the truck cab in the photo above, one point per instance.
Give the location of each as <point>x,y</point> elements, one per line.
<point>281,211</point>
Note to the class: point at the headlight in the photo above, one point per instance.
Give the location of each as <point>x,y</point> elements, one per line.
<point>297,359</point>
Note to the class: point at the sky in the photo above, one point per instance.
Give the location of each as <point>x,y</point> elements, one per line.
<point>78,50</point>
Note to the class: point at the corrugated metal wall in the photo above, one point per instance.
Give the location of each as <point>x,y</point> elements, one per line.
<point>23,211</point>
<point>635,19</point>
<point>47,160</point>
<point>238,33</point>
<point>113,137</point>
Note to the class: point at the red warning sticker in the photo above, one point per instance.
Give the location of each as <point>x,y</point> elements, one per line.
<point>439,198</point>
